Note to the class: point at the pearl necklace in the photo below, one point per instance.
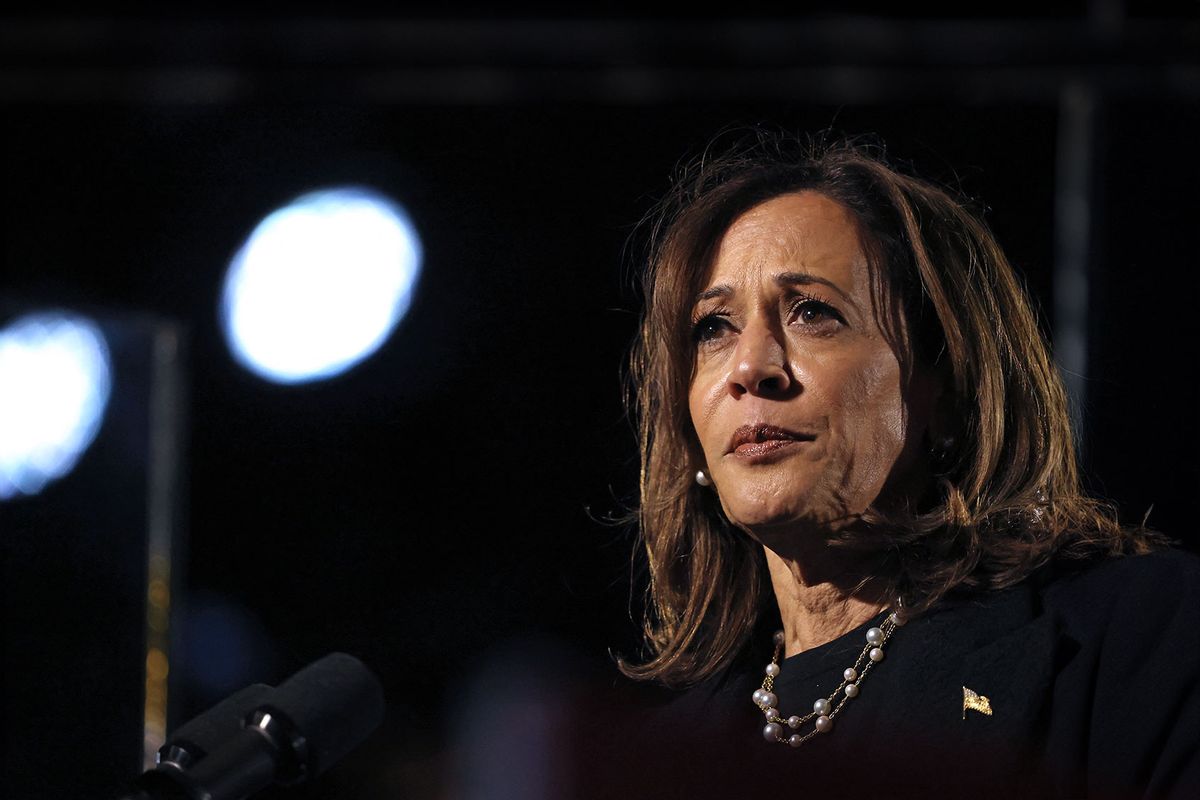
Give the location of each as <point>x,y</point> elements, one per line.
<point>826,708</point>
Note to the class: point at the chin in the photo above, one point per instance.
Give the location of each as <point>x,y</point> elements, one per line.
<point>780,516</point>
<point>754,514</point>
<point>774,497</point>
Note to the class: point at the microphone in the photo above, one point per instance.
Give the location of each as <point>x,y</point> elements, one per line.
<point>261,736</point>
<point>204,734</point>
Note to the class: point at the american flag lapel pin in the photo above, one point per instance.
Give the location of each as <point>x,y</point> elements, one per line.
<point>973,701</point>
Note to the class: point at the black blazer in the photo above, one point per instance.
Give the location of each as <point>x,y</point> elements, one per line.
<point>1092,675</point>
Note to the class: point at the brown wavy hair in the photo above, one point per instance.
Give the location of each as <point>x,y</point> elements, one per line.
<point>1006,496</point>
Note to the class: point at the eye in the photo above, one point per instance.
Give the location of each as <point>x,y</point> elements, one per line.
<point>811,311</point>
<point>709,327</point>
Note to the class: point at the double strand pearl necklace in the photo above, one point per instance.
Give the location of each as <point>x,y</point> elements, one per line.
<point>826,708</point>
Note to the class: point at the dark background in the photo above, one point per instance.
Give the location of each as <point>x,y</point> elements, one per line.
<point>444,509</point>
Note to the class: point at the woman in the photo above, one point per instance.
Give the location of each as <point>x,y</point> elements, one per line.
<point>853,436</point>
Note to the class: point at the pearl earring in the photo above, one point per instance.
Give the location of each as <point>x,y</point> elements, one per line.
<point>702,478</point>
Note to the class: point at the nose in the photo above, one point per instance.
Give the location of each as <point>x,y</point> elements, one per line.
<point>760,368</point>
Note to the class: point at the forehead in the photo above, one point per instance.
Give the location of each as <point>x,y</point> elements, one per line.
<point>800,232</point>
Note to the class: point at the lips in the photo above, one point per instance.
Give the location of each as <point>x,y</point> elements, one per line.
<point>751,441</point>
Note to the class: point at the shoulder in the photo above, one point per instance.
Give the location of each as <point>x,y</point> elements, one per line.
<point>1131,615</point>
<point>1127,670</point>
<point>1145,593</point>
<point>1176,566</point>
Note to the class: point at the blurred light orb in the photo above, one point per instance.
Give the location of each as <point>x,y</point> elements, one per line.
<point>55,379</point>
<point>320,284</point>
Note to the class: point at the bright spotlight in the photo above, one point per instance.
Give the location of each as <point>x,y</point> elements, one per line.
<point>320,284</point>
<point>55,377</point>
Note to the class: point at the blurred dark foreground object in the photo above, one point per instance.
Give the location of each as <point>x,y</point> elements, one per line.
<point>261,736</point>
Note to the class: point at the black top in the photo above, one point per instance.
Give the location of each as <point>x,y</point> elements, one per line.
<point>1092,676</point>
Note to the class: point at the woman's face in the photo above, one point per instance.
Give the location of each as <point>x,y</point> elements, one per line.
<point>796,397</point>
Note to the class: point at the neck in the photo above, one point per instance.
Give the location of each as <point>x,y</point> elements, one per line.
<point>820,603</point>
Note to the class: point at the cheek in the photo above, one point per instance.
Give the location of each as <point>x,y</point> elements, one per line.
<point>868,411</point>
<point>704,395</point>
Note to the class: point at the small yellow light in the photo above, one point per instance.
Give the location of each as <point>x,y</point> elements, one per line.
<point>156,665</point>
<point>159,594</point>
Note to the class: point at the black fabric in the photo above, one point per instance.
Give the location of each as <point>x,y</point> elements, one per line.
<point>1092,673</point>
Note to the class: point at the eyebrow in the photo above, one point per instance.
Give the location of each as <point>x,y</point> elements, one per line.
<point>783,280</point>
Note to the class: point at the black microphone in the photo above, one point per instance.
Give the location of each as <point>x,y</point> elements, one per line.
<point>262,736</point>
<point>204,734</point>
